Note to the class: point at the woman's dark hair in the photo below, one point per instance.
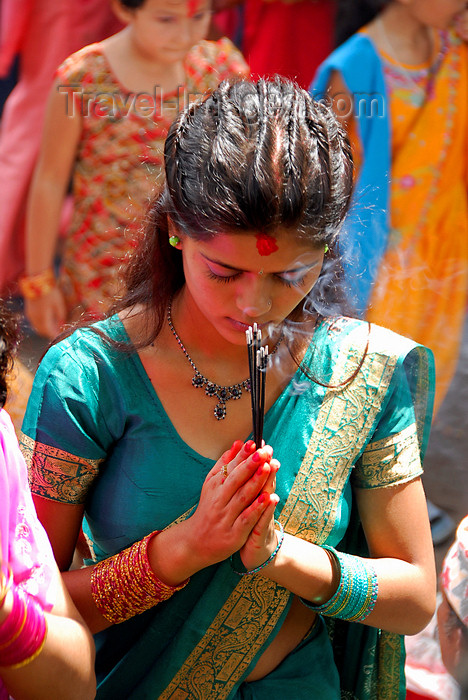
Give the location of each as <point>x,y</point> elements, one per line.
<point>8,344</point>
<point>249,157</point>
<point>132,4</point>
<point>351,15</point>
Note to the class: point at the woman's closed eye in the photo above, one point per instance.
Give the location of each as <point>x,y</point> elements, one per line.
<point>166,19</point>
<point>203,14</point>
<point>289,279</point>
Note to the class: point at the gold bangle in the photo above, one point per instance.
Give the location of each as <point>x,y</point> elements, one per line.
<point>36,286</point>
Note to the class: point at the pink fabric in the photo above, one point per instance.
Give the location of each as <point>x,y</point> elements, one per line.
<point>426,675</point>
<point>24,543</point>
<point>455,573</point>
<point>44,33</point>
<point>24,540</point>
<point>13,23</point>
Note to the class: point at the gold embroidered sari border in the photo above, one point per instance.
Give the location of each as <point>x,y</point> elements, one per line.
<point>58,475</point>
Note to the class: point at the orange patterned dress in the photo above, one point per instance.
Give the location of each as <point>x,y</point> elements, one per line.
<point>119,162</point>
<point>422,284</point>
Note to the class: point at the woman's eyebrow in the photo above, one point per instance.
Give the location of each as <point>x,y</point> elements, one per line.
<point>280,272</point>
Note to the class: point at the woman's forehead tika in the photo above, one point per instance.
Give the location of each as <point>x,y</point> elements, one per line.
<point>193,6</point>
<point>266,244</point>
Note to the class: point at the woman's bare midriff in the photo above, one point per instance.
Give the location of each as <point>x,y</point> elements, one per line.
<point>297,624</point>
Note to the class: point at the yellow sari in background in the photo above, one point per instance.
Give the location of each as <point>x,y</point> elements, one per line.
<point>420,290</point>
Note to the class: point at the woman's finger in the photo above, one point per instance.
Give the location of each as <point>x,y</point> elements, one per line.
<point>245,481</point>
<point>266,523</point>
<point>237,453</point>
<point>263,538</point>
<point>270,486</point>
<point>253,514</point>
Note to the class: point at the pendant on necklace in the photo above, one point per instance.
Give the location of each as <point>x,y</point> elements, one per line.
<point>199,381</point>
<point>222,393</point>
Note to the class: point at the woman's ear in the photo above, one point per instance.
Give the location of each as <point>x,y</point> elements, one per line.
<point>174,235</point>
<point>123,13</point>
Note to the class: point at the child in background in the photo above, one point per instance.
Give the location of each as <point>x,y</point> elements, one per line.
<point>408,233</point>
<point>108,115</point>
<point>36,36</point>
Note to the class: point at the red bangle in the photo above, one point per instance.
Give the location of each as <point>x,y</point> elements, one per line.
<point>125,585</point>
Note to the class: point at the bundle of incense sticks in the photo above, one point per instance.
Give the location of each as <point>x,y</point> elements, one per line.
<point>258,357</point>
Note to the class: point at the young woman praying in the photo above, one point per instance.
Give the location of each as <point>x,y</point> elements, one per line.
<point>214,572</point>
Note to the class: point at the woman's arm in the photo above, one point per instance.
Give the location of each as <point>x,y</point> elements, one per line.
<point>62,130</point>
<point>65,666</point>
<point>397,529</point>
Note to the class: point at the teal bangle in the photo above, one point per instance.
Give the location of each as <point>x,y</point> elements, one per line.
<point>356,595</point>
<point>270,558</point>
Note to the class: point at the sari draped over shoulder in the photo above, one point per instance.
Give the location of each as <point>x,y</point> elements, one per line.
<point>103,438</point>
<point>407,234</point>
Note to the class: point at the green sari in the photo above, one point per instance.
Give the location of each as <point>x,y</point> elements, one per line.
<point>95,432</point>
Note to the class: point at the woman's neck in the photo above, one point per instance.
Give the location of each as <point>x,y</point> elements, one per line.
<point>397,32</point>
<point>137,71</point>
<point>202,337</point>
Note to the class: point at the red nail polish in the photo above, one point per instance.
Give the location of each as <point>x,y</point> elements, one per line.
<point>236,446</point>
<point>260,471</point>
<point>248,445</point>
<point>262,498</point>
<point>256,457</point>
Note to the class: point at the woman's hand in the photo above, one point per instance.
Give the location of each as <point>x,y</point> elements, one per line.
<point>263,539</point>
<point>236,494</point>
<point>47,313</point>
<point>232,501</point>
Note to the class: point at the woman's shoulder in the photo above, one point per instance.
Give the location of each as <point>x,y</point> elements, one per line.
<point>343,333</point>
<point>86,346</point>
<point>209,62</point>
<point>356,58</point>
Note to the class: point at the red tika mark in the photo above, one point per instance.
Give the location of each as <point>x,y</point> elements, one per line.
<point>192,7</point>
<point>266,244</point>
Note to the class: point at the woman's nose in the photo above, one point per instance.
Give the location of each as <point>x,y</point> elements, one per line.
<point>253,299</point>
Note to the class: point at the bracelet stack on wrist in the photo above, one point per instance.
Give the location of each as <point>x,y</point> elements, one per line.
<point>356,594</point>
<point>125,585</point>
<point>280,535</point>
<point>23,633</point>
<point>36,286</point>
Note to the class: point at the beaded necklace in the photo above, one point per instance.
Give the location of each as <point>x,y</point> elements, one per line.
<point>222,393</point>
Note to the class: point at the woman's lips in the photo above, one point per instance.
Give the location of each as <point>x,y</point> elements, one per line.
<point>241,326</point>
